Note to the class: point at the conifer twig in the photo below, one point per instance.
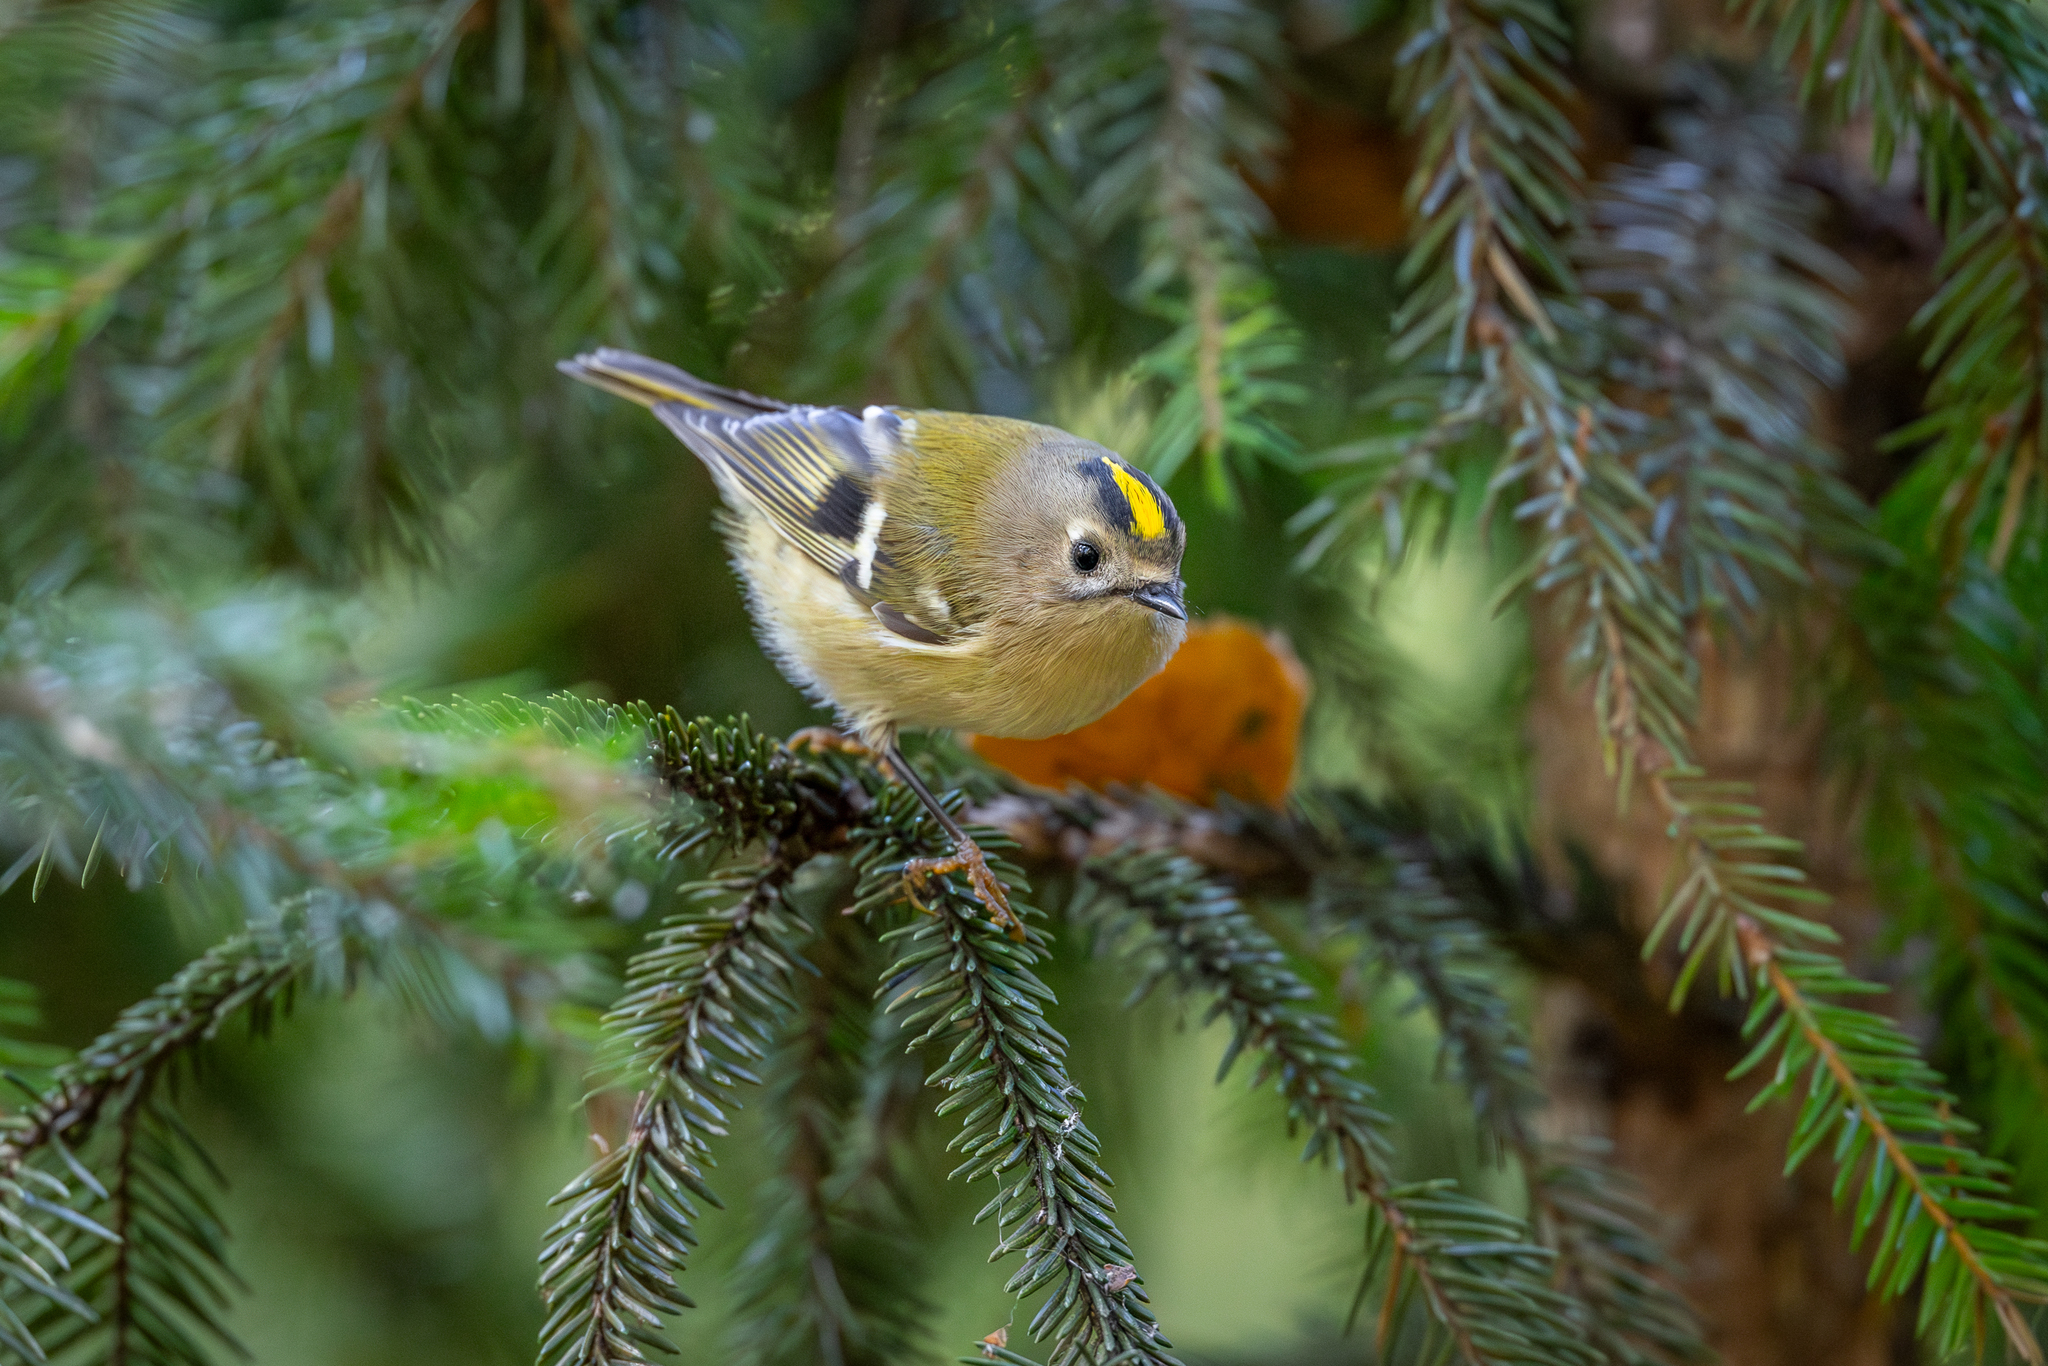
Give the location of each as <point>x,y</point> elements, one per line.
<point>1486,1290</point>
<point>1580,1208</point>
<point>106,1256</point>
<point>702,1003</point>
<point>1955,1189</point>
<point>1967,82</point>
<point>961,222</point>
<point>112,1073</point>
<point>968,988</point>
<point>1191,92</point>
<point>340,213</point>
<point>835,1271</point>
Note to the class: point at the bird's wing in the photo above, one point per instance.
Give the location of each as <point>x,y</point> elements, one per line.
<point>813,472</point>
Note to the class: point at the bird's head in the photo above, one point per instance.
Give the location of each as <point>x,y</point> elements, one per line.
<point>1106,537</point>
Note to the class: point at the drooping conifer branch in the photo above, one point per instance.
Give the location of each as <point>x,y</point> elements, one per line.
<point>1594,558</point>
<point>1866,1084</point>
<point>99,1219</point>
<point>992,182</point>
<point>1966,83</point>
<point>1366,871</point>
<point>1175,104</point>
<point>2011,1015</point>
<point>117,1069</point>
<point>1495,178</point>
<point>967,988</point>
<point>1193,103</point>
<point>1486,1291</point>
<point>835,1272</point>
<point>306,300</point>
<point>702,1005</point>
<point>593,175</point>
<point>1386,886</point>
<point>1718,314</point>
<point>1936,1204</point>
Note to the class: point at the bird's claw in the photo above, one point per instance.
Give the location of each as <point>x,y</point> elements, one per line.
<point>966,858</point>
<point>826,740</point>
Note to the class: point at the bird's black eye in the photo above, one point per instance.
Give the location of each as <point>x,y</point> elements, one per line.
<point>1085,557</point>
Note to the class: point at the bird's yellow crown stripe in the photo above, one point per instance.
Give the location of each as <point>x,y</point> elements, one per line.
<point>1148,519</point>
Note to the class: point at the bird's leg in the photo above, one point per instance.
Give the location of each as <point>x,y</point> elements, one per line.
<point>966,857</point>
<point>827,740</point>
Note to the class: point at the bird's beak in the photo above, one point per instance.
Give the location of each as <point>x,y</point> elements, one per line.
<point>1163,598</point>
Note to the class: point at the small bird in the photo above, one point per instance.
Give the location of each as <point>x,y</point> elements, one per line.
<point>930,569</point>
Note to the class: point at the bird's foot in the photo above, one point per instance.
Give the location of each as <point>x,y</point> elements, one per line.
<point>966,858</point>
<point>826,740</point>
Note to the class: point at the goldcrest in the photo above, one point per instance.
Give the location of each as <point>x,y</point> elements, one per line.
<point>930,569</point>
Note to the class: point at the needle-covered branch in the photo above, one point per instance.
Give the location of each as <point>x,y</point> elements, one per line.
<point>969,990</point>
<point>1485,1291</point>
<point>1962,86</point>
<point>108,1241</point>
<point>702,1005</point>
<point>1597,557</point>
<point>1388,887</point>
<point>1175,104</point>
<point>1936,1207</point>
<point>836,1269</point>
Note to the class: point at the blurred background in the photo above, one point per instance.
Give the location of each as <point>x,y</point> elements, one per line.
<point>281,287</point>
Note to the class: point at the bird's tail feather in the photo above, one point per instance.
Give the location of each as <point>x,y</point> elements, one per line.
<point>650,383</point>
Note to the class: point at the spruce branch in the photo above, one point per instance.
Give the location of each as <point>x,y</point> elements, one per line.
<point>1388,887</point>
<point>1934,1201</point>
<point>1594,559</point>
<point>1736,885</point>
<point>1495,192</point>
<point>1735,903</point>
<point>702,1004</point>
<point>593,182</point>
<point>1362,871</point>
<point>1987,997</point>
<point>1866,1084</point>
<point>834,1272</point>
<point>340,215</point>
<point>1230,339</point>
<point>1966,83</point>
<point>1717,313</point>
<point>1938,704</point>
<point>1192,93</point>
<point>1496,176</point>
<point>243,973</point>
<point>894,304</point>
<point>131,1256</point>
<point>1486,1291</point>
<point>1174,105</point>
<point>964,986</point>
<point>130,743</point>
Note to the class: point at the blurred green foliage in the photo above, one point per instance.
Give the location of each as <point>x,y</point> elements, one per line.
<point>281,447</point>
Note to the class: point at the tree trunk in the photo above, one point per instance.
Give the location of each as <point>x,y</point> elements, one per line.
<point>1764,1256</point>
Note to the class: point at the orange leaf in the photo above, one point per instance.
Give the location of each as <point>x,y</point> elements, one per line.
<point>1223,716</point>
